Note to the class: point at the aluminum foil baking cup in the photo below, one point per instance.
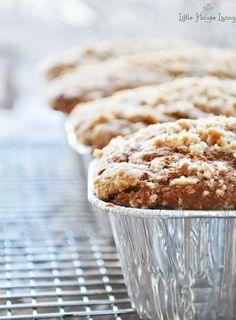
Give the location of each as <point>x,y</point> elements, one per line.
<point>84,152</point>
<point>85,157</point>
<point>178,265</point>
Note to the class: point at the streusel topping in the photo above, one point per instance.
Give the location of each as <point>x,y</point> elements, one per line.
<point>96,123</point>
<point>188,164</point>
<point>96,80</point>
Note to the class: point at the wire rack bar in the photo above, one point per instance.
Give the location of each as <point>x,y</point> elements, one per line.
<point>53,264</point>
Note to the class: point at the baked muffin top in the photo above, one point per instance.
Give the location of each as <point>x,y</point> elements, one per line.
<point>96,123</point>
<point>187,164</point>
<point>67,60</point>
<point>97,80</point>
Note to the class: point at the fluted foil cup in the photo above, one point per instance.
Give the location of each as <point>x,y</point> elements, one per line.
<point>84,152</point>
<point>85,157</point>
<point>178,265</point>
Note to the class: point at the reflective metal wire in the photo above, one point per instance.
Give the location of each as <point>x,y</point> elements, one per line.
<point>53,265</point>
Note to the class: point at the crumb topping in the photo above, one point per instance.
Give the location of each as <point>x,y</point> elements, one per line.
<point>96,123</point>
<point>63,62</point>
<point>96,80</point>
<point>186,164</point>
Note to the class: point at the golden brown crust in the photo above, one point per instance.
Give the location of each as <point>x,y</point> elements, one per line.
<point>187,164</point>
<point>96,123</point>
<point>63,62</point>
<point>93,81</point>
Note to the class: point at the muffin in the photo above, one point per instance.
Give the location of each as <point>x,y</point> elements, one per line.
<point>67,60</point>
<point>98,80</point>
<point>187,164</point>
<point>95,123</point>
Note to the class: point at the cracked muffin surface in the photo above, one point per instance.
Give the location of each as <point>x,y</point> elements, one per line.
<point>95,123</point>
<point>187,164</point>
<point>98,80</point>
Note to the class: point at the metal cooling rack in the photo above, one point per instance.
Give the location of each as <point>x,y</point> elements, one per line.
<point>52,263</point>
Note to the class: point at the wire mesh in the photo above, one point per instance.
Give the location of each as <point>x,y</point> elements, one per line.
<point>53,265</point>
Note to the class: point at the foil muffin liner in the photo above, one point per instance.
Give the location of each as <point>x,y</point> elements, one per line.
<point>177,264</point>
<point>84,152</point>
<point>85,157</point>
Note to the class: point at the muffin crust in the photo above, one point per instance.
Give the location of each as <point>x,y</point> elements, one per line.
<point>187,164</point>
<point>96,123</point>
<point>63,62</point>
<point>98,80</point>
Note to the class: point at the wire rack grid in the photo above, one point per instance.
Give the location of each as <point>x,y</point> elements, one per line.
<point>53,265</point>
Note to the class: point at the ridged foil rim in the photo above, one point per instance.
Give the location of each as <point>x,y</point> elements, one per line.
<point>73,141</point>
<point>150,213</point>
